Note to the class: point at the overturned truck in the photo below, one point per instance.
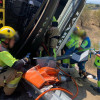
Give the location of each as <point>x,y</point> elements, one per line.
<point>31,19</point>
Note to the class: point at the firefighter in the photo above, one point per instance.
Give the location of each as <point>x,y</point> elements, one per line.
<point>53,36</point>
<point>51,39</point>
<point>11,69</point>
<point>71,45</point>
<point>97,64</point>
<point>85,45</point>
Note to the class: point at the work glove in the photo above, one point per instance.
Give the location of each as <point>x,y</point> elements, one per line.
<point>22,64</point>
<point>93,51</point>
<point>28,55</point>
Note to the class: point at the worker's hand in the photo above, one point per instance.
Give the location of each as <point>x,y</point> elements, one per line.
<point>98,55</point>
<point>27,65</point>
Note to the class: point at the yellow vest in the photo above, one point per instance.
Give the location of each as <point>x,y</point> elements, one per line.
<point>97,62</point>
<point>73,41</point>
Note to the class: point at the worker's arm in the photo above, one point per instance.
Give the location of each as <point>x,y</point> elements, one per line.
<point>83,45</point>
<point>10,61</point>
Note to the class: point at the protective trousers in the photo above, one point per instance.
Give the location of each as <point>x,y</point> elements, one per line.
<point>66,62</point>
<point>81,65</point>
<point>9,80</point>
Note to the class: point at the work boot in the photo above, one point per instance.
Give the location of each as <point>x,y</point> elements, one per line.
<point>85,79</point>
<point>96,89</point>
<point>80,74</point>
<point>79,81</point>
<point>65,65</point>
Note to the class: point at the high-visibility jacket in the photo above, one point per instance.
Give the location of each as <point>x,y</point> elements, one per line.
<point>97,62</point>
<point>73,41</point>
<point>6,59</point>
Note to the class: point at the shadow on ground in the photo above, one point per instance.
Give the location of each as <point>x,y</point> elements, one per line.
<point>82,90</point>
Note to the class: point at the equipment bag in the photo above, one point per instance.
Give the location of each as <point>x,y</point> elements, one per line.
<point>41,76</point>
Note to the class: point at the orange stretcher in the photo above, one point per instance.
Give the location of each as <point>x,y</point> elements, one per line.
<point>41,76</point>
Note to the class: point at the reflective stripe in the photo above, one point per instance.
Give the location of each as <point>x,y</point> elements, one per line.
<point>98,84</point>
<point>23,61</point>
<point>54,51</point>
<point>14,83</point>
<point>40,53</point>
<point>72,65</point>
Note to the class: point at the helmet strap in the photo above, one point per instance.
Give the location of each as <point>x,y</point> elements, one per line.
<point>6,44</point>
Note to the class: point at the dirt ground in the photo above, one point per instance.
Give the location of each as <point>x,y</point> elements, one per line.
<point>85,92</point>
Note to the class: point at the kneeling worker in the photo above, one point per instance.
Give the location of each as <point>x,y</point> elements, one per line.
<point>97,64</point>
<point>11,69</point>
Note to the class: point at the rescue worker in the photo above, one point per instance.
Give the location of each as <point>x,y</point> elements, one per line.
<point>97,64</point>
<point>11,69</point>
<point>71,45</point>
<point>53,34</point>
<point>51,38</point>
<point>85,45</point>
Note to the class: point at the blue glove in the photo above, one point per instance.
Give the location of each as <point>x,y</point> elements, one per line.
<point>28,55</point>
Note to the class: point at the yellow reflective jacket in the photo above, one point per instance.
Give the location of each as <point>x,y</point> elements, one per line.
<point>73,41</point>
<point>6,59</point>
